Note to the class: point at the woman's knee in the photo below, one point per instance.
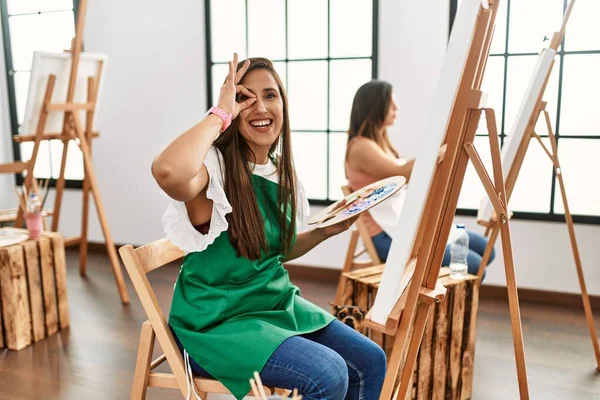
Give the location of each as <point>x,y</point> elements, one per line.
<point>331,380</point>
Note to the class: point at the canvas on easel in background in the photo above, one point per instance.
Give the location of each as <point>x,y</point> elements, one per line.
<point>523,131</point>
<point>62,101</point>
<point>409,285</point>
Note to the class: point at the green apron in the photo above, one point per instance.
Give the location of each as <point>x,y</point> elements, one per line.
<point>231,313</point>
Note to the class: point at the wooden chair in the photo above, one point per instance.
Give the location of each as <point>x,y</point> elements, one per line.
<point>138,263</point>
<point>351,262</point>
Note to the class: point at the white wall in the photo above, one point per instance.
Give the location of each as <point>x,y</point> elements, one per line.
<point>7,181</point>
<point>155,88</point>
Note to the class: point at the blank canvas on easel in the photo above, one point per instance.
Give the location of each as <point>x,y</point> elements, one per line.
<point>431,139</point>
<point>520,126</point>
<point>45,64</point>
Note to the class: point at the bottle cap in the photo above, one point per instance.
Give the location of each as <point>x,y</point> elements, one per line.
<point>460,226</point>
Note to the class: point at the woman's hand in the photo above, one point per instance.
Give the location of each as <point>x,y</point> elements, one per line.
<point>230,89</point>
<point>338,228</point>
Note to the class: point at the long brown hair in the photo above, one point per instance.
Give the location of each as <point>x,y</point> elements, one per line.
<point>246,224</point>
<point>369,109</point>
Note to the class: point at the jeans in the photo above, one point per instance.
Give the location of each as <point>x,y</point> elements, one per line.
<point>333,363</point>
<point>477,244</point>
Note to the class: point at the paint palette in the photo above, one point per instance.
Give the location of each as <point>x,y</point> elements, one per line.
<point>358,202</point>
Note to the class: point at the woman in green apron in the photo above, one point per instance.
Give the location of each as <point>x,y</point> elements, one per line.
<point>235,208</point>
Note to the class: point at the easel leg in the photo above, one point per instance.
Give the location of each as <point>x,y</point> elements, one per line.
<point>515,312</point>
<point>413,350</point>
<point>569,219</point>
<point>110,246</point>
<point>60,187</point>
<point>85,205</point>
<point>511,282</point>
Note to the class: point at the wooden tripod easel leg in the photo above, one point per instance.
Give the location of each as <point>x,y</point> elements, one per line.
<point>497,193</point>
<point>85,203</point>
<point>569,219</point>
<point>90,174</point>
<point>423,310</point>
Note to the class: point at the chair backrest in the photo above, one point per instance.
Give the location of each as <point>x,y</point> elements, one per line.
<point>138,263</point>
<point>364,236</point>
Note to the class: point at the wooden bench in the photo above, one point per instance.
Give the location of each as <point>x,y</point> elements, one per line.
<point>33,290</point>
<point>444,367</point>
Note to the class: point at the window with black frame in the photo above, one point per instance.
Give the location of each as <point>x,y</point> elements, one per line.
<point>28,26</point>
<point>522,29</point>
<point>323,50</point>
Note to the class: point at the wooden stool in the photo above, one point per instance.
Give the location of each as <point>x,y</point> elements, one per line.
<point>445,362</point>
<point>33,290</point>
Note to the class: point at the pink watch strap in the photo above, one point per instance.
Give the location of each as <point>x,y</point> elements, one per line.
<point>225,116</point>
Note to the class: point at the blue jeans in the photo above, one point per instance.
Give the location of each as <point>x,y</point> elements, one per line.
<point>333,363</point>
<point>477,244</point>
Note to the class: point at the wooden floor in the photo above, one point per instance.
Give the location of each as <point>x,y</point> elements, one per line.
<point>94,359</point>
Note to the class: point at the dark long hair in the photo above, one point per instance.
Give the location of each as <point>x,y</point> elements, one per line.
<point>246,224</point>
<point>369,109</point>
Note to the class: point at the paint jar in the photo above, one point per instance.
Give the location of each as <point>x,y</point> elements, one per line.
<point>34,224</point>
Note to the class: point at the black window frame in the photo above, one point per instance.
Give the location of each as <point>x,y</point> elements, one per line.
<point>287,60</point>
<point>12,101</point>
<point>551,216</point>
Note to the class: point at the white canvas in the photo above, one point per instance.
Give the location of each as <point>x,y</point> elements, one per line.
<point>432,137</point>
<point>59,64</point>
<point>519,128</point>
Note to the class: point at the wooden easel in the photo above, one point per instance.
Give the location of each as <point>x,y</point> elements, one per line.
<point>493,225</point>
<point>73,130</point>
<point>407,319</point>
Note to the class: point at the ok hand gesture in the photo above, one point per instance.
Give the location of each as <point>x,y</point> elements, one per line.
<point>231,88</point>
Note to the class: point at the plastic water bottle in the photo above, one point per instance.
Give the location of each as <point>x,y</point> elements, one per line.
<point>34,204</point>
<point>459,249</point>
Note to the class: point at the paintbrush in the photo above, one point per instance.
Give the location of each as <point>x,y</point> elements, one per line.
<point>20,199</point>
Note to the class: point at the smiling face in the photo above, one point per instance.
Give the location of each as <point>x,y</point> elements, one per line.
<point>260,125</point>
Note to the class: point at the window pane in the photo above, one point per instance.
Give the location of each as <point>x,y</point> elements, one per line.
<point>346,77</point>
<point>25,36</point>
<point>520,70</point>
<point>307,89</point>
<point>472,190</point>
<point>228,29</point>
<point>42,162</point>
<point>337,155</point>
<point>58,30</point>
<point>579,161</point>
<point>534,183</point>
<point>21,86</point>
<point>550,97</point>
<point>583,30</point>
<point>74,166</point>
<point>280,68</point>
<point>351,28</point>
<point>493,85</point>
<point>219,73</point>
<point>499,39</point>
<point>310,158</point>
<point>530,21</point>
<point>579,104</point>
<point>307,29</point>
<point>266,29</point>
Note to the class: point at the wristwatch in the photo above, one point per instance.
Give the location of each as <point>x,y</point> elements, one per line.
<point>224,115</point>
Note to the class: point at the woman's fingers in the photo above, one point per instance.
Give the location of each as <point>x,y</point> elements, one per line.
<point>241,89</point>
<point>240,74</point>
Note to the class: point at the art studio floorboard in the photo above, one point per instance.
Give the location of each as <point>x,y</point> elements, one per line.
<point>95,357</point>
